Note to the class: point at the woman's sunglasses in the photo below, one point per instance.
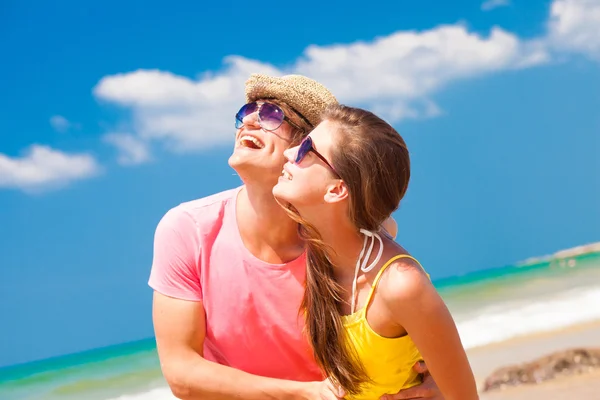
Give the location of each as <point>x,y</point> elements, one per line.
<point>305,147</point>
<point>270,116</point>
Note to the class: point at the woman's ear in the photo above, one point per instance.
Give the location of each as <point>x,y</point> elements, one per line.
<point>336,192</point>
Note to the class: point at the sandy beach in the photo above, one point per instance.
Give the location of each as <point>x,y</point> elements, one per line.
<point>486,359</point>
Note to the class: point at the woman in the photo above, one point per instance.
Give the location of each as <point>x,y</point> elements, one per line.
<point>371,310</point>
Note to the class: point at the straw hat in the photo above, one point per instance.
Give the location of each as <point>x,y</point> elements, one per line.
<point>306,96</point>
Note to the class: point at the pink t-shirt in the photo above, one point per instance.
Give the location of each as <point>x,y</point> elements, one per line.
<point>252,307</point>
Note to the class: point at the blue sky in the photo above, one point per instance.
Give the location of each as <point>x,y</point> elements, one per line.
<point>114,112</point>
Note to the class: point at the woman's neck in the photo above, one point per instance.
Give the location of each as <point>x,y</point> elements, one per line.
<point>346,243</point>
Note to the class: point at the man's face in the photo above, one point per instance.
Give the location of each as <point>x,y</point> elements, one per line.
<point>258,153</point>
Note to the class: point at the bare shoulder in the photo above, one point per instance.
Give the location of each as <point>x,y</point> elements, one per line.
<point>404,282</point>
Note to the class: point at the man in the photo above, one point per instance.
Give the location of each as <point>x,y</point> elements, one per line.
<point>228,269</point>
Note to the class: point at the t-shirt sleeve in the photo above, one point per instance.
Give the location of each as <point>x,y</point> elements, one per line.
<point>175,265</point>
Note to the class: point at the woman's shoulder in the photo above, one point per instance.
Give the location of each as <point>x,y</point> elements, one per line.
<point>404,279</point>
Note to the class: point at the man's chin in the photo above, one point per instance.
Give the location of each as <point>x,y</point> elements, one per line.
<point>241,162</point>
<point>251,172</point>
<point>242,157</point>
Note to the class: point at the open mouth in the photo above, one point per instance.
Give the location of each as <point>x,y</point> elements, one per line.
<point>251,142</point>
<point>286,175</point>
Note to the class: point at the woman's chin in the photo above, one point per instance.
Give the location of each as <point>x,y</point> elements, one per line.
<point>281,192</point>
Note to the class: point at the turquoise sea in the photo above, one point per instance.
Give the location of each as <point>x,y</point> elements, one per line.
<point>488,306</point>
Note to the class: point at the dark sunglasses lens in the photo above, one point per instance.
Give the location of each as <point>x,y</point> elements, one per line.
<point>304,148</point>
<point>246,110</point>
<point>271,116</point>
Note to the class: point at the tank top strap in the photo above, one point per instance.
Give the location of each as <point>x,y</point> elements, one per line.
<point>383,268</point>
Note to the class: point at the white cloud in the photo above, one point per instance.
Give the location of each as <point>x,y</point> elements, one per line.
<point>491,4</point>
<point>408,67</point>
<point>185,114</point>
<point>61,124</point>
<point>132,150</point>
<point>574,26</point>
<point>395,74</point>
<point>44,168</point>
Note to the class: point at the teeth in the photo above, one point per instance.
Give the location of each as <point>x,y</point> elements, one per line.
<point>252,139</point>
<point>286,175</point>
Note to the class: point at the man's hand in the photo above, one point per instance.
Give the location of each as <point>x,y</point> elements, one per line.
<point>325,390</point>
<point>426,390</point>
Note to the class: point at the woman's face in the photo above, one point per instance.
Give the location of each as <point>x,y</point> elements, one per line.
<point>308,175</point>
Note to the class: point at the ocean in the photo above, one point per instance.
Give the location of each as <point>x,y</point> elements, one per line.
<point>489,306</point>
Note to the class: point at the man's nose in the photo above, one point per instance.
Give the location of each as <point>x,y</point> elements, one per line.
<point>251,120</point>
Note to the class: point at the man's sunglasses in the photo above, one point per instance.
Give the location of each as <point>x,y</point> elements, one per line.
<point>270,116</point>
<point>305,147</point>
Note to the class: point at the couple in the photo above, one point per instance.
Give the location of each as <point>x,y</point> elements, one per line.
<point>289,287</point>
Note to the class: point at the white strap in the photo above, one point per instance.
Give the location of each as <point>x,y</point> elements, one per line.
<point>363,267</point>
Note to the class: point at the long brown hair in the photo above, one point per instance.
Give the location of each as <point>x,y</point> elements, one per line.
<point>373,161</point>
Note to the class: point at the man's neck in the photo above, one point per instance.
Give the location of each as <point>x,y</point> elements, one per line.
<point>266,230</point>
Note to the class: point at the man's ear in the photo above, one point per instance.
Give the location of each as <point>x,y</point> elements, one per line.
<point>336,192</point>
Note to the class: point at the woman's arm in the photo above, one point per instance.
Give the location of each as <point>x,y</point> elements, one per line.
<point>415,305</point>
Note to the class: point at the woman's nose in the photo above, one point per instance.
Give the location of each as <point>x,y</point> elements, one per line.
<point>290,153</point>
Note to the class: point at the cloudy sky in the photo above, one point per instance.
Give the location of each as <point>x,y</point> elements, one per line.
<point>112,113</point>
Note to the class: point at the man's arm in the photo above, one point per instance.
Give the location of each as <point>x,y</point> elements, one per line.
<point>180,323</point>
<point>180,329</point>
<point>428,389</point>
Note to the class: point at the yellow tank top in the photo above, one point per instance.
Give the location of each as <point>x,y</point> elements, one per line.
<point>387,361</point>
